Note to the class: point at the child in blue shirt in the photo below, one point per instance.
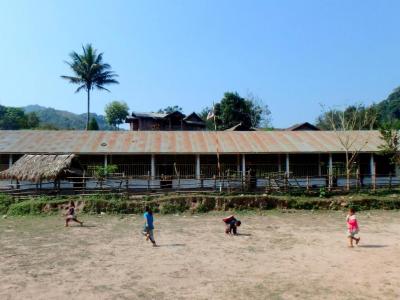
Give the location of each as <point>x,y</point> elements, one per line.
<point>148,226</point>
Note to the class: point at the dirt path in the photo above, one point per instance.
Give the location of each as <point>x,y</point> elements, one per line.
<point>278,256</point>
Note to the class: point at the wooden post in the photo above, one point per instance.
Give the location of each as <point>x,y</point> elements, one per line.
<point>390,181</point>
<point>84,180</point>
<point>358,178</point>
<point>308,183</point>
<point>330,172</point>
<point>148,180</point>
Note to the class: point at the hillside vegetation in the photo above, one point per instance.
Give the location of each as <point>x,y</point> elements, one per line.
<point>64,119</point>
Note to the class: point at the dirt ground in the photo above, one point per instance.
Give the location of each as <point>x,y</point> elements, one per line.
<point>297,255</point>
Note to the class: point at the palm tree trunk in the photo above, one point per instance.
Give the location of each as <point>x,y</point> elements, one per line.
<point>88,109</point>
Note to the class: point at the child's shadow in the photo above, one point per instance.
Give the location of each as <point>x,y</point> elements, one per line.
<point>172,245</point>
<point>372,246</point>
<point>243,234</point>
<point>83,226</point>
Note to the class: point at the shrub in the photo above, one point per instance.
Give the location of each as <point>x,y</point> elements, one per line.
<point>173,207</point>
<point>5,202</point>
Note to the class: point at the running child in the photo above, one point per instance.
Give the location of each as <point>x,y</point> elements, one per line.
<point>148,226</point>
<point>231,224</point>
<point>71,215</point>
<point>352,227</point>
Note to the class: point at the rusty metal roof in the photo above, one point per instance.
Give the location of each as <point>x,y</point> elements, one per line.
<point>182,142</point>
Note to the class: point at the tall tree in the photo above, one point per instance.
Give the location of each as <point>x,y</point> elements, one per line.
<point>93,125</point>
<point>116,113</point>
<point>355,112</point>
<point>234,109</point>
<point>32,120</point>
<point>391,141</point>
<point>90,72</point>
<point>12,118</point>
<point>170,109</point>
<point>347,125</point>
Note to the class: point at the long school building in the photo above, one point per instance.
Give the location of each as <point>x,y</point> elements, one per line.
<point>316,156</point>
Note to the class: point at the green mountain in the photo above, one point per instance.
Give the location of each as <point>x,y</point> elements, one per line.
<point>64,119</point>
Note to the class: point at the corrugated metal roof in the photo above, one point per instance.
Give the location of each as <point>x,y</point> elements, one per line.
<point>181,142</point>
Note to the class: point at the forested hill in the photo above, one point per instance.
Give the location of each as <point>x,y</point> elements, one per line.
<point>61,119</point>
<point>386,111</point>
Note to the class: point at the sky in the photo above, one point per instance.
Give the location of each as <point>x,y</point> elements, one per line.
<point>293,55</point>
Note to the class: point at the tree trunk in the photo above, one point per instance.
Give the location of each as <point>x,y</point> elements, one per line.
<point>347,172</point>
<point>88,109</point>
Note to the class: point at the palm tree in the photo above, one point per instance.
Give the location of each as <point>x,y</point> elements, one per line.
<point>90,72</point>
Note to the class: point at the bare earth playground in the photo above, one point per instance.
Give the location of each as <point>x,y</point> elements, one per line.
<point>297,255</point>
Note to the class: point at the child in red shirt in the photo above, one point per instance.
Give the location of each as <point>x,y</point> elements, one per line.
<point>352,227</point>
<point>231,224</point>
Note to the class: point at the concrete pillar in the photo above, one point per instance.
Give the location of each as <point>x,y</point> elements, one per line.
<point>319,165</point>
<point>372,165</point>
<point>198,166</point>
<point>244,165</point>
<point>287,169</point>
<point>279,163</point>
<point>373,171</point>
<point>238,163</point>
<point>10,160</point>
<point>105,161</point>
<point>330,169</point>
<point>153,167</point>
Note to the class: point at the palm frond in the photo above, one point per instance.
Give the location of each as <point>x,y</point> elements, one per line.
<point>83,86</point>
<point>72,79</point>
<point>100,87</point>
<point>89,70</point>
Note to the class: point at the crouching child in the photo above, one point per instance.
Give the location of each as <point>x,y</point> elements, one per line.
<point>231,225</point>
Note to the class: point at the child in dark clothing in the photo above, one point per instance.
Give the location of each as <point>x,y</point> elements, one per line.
<point>71,216</point>
<point>231,225</point>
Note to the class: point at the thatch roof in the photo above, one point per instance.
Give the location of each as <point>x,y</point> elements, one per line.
<point>37,168</point>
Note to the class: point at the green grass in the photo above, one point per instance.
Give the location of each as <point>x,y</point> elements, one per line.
<point>196,203</point>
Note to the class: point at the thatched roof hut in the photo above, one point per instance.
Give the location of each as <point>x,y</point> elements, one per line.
<point>38,168</point>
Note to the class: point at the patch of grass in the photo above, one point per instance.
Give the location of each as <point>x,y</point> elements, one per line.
<point>173,207</point>
<point>172,204</point>
<point>5,202</point>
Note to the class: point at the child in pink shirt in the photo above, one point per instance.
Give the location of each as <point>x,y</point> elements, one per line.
<point>352,227</point>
